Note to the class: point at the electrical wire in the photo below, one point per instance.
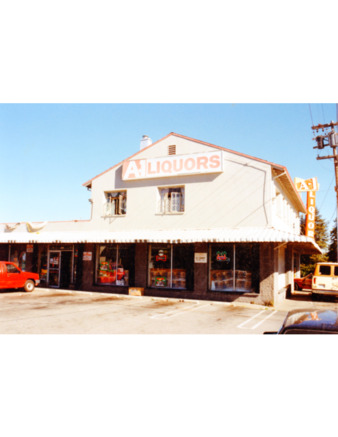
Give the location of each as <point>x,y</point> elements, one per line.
<point>311,114</point>
<point>323,113</point>
<point>334,213</point>
<point>327,192</point>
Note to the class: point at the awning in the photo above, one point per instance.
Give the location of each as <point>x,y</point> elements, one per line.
<point>223,235</point>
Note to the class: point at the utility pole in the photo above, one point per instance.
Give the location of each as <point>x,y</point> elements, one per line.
<point>330,138</point>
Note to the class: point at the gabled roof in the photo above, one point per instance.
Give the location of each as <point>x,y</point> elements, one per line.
<point>89,183</point>
<point>279,171</point>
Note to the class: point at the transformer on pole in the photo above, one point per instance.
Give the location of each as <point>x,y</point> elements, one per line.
<point>329,138</point>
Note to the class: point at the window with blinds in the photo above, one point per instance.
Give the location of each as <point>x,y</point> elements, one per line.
<point>116,203</point>
<point>171,200</point>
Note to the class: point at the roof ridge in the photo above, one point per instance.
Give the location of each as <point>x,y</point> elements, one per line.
<point>274,165</point>
<point>116,165</point>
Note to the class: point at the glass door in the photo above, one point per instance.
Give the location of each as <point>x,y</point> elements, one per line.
<point>54,267</point>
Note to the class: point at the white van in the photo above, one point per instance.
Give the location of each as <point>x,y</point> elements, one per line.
<point>325,279</point>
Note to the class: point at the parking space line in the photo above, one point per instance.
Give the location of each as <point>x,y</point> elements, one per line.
<point>178,312</point>
<point>264,320</point>
<point>249,320</point>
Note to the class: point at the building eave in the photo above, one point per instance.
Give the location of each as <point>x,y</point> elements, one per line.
<point>217,235</point>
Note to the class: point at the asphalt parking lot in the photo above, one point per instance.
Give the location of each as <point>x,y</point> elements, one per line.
<point>47,311</point>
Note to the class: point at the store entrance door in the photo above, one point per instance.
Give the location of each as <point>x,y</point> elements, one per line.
<point>60,268</point>
<point>54,268</point>
<point>66,269</point>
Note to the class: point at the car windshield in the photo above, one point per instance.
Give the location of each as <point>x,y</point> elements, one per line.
<point>12,269</point>
<point>323,317</point>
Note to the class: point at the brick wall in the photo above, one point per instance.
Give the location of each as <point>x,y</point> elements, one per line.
<point>267,273</point>
<point>88,273</point>
<point>3,252</point>
<point>141,264</point>
<point>201,271</point>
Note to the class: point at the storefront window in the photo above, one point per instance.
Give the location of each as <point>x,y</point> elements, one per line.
<point>160,266</point>
<point>43,267</point>
<point>222,267</point>
<point>115,265</point>
<point>54,268</point>
<point>75,263</point>
<point>181,261</point>
<point>170,266</point>
<point>234,267</point>
<point>18,256</point>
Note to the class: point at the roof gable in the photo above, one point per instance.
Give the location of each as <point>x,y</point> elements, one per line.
<point>142,153</point>
<point>278,170</point>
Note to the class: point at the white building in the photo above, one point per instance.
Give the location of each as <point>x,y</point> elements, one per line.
<point>180,217</point>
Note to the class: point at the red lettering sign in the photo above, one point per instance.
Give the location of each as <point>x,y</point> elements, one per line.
<point>311,214</point>
<point>196,163</point>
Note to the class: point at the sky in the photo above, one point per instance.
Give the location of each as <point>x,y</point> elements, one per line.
<point>49,150</point>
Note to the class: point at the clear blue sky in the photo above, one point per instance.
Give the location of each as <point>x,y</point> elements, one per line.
<point>49,150</point>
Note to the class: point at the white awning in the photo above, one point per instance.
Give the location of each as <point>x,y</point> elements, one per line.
<point>224,235</point>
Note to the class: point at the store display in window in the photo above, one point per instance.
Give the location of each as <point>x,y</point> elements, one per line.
<point>179,278</point>
<point>233,267</point>
<point>109,274</point>
<point>223,280</point>
<point>115,265</point>
<point>161,278</point>
<point>243,280</point>
<point>161,281</point>
<point>167,266</point>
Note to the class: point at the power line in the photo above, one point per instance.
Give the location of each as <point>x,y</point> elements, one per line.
<point>311,114</point>
<point>327,192</point>
<point>323,113</point>
<point>333,214</point>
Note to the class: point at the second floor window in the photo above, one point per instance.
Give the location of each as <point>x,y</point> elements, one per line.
<point>116,203</point>
<point>171,200</point>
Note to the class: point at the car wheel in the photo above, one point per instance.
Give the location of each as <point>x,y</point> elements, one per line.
<point>29,286</point>
<point>297,287</point>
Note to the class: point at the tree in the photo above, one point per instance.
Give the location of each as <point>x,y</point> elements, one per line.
<point>332,252</point>
<point>308,262</point>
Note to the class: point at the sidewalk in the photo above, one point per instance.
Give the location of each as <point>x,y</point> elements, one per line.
<point>304,301</point>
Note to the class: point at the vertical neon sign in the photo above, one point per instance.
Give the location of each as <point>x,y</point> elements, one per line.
<point>311,187</point>
<point>311,214</point>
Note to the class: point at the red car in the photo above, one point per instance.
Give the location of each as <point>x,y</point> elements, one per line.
<point>11,276</point>
<point>302,283</point>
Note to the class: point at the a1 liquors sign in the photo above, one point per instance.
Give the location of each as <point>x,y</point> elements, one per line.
<point>178,165</point>
<point>311,187</point>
